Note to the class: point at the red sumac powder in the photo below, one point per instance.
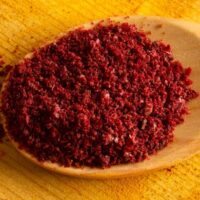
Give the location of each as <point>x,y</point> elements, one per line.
<point>97,98</point>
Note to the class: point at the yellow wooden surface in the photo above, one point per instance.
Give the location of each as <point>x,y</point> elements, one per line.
<point>24,25</point>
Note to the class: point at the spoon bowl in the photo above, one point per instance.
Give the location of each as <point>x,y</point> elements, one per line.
<point>184,38</point>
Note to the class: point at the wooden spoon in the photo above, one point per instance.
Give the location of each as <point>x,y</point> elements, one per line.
<point>184,37</point>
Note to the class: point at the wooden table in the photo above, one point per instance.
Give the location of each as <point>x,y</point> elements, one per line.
<point>26,24</point>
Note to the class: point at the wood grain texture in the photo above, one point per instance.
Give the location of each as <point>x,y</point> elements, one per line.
<point>28,24</point>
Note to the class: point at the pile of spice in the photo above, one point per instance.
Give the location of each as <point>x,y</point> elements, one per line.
<point>97,97</point>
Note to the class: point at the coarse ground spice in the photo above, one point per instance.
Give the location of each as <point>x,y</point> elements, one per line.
<point>97,97</point>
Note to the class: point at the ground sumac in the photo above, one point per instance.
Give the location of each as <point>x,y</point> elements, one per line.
<point>97,97</point>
